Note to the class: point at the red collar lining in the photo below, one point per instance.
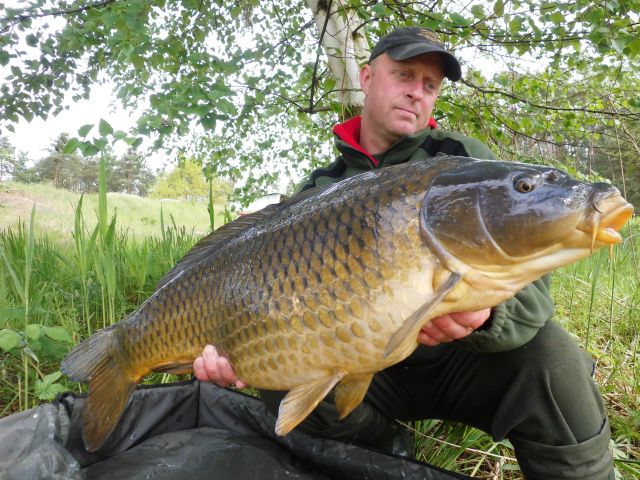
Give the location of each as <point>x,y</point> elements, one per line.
<point>349,132</point>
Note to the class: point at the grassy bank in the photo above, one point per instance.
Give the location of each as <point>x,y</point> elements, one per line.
<point>138,217</point>
<point>61,279</point>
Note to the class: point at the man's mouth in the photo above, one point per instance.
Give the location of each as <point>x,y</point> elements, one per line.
<point>406,110</point>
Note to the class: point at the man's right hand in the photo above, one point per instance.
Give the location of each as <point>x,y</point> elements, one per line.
<point>213,367</point>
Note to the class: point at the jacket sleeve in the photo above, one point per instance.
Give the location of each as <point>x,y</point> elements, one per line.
<point>514,322</point>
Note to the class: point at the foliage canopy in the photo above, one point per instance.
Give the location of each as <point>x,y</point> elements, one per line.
<point>552,81</point>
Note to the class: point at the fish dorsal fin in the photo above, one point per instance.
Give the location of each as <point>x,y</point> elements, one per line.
<point>215,240</point>
<point>417,317</point>
<point>301,401</point>
<point>220,237</point>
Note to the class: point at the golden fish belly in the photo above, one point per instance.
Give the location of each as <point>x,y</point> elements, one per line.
<point>338,313</point>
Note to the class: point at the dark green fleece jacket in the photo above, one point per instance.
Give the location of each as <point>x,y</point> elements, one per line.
<point>514,322</point>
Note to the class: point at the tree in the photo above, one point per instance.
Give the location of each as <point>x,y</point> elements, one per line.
<point>131,174</point>
<point>187,181</point>
<point>21,171</point>
<point>60,168</point>
<point>260,80</point>
<point>7,159</point>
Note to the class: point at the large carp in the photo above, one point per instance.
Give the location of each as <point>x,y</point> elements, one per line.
<point>322,291</point>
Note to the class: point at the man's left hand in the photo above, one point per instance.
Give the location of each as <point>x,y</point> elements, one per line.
<point>452,326</point>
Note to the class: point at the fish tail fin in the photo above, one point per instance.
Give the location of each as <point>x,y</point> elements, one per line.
<point>95,360</point>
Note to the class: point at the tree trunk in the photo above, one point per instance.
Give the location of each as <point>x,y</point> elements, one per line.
<point>341,37</point>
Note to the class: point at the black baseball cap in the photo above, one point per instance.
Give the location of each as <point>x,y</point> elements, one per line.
<point>407,42</point>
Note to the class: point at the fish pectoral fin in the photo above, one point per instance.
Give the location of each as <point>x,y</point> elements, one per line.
<point>177,368</point>
<point>417,317</point>
<point>301,401</point>
<point>350,392</point>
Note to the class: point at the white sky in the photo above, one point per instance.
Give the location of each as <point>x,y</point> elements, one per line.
<point>37,136</point>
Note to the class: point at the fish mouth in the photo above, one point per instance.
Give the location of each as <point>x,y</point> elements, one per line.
<point>605,227</point>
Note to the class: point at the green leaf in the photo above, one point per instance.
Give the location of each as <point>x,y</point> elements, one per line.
<point>557,18</point>
<point>31,40</point>
<point>88,149</point>
<point>71,146</point>
<point>47,388</point>
<point>100,143</point>
<point>634,47</point>
<point>84,130</point>
<point>58,333</point>
<point>498,8</point>
<point>619,44</point>
<point>515,25</point>
<point>8,339</point>
<point>381,10</point>
<point>104,128</point>
<point>33,331</point>
<point>478,11</point>
<point>119,135</point>
<point>459,19</point>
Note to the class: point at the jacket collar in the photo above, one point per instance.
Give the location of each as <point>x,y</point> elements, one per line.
<point>348,143</point>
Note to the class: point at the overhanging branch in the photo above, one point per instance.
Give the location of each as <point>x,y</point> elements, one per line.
<point>610,113</point>
<point>30,16</point>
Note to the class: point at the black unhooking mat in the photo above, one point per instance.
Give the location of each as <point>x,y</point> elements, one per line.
<point>187,431</point>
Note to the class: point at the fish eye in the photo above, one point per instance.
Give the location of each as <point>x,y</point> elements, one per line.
<point>524,185</point>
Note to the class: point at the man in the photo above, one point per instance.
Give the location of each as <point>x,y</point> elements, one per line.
<point>508,370</point>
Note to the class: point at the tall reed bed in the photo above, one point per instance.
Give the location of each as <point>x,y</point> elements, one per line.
<point>53,293</point>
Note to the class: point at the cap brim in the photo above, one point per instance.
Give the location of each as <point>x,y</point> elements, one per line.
<point>452,69</point>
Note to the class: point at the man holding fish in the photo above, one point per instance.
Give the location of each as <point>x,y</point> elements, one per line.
<point>509,370</point>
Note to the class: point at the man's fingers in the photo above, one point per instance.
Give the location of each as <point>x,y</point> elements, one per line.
<point>472,320</point>
<point>449,328</point>
<point>199,370</point>
<point>444,329</point>
<point>452,326</point>
<point>216,368</point>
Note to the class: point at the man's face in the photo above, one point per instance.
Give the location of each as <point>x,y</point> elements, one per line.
<point>400,95</point>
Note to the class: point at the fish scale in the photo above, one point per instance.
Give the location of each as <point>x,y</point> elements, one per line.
<point>324,290</point>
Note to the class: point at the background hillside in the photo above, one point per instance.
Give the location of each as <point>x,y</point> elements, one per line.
<point>138,216</point>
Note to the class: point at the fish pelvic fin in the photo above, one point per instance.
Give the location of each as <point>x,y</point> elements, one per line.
<point>417,317</point>
<point>350,392</point>
<point>301,401</point>
<point>177,368</point>
<point>110,386</point>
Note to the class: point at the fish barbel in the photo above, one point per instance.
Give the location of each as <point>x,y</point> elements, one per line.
<point>323,290</point>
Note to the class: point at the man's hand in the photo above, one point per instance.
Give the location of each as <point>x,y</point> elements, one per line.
<point>452,326</point>
<point>212,367</point>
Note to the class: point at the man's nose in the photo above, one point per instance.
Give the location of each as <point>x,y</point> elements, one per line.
<point>415,90</point>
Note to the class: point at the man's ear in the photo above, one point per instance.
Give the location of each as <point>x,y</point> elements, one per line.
<point>365,77</point>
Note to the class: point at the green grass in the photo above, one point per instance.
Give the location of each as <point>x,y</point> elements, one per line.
<point>140,217</point>
<point>63,278</point>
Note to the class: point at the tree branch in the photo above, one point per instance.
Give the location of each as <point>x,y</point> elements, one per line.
<point>477,88</point>
<point>23,17</point>
<point>314,78</point>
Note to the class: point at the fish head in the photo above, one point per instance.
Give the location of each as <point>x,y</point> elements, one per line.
<point>494,215</point>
